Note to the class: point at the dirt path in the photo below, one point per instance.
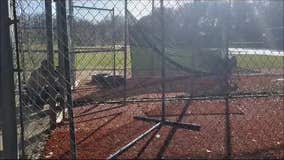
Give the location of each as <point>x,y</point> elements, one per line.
<point>257,131</point>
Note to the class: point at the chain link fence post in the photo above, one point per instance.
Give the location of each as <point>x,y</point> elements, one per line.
<point>71,43</point>
<point>7,95</point>
<point>50,58</point>
<point>20,91</point>
<point>125,48</point>
<point>65,67</point>
<point>163,71</point>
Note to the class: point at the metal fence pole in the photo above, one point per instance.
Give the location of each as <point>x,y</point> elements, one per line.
<point>48,16</point>
<point>153,30</point>
<point>228,143</point>
<point>50,57</point>
<point>71,44</point>
<point>21,116</point>
<point>61,65</point>
<point>113,42</point>
<point>162,19</point>
<point>7,95</point>
<point>22,54</point>
<point>125,47</point>
<point>64,53</point>
<point>153,7</point>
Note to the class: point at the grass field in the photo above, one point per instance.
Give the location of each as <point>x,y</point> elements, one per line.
<point>260,61</point>
<point>84,61</point>
<point>89,61</point>
<point>101,61</point>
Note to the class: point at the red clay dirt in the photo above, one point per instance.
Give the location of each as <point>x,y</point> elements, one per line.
<point>257,130</point>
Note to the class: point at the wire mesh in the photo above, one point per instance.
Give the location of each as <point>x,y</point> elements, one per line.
<point>179,65</point>
<point>42,91</point>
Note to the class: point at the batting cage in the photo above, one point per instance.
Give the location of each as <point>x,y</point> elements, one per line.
<point>142,79</point>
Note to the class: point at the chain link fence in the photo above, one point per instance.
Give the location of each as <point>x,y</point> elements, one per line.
<point>148,78</point>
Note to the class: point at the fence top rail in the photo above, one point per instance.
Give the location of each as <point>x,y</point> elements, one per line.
<point>95,8</point>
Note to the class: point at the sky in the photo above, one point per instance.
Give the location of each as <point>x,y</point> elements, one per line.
<point>138,8</point>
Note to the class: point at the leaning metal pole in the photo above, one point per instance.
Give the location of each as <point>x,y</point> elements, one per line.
<point>133,142</point>
<point>63,51</point>
<point>7,95</point>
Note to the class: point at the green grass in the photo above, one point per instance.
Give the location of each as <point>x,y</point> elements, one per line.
<point>93,61</point>
<point>202,61</point>
<point>101,61</point>
<point>260,61</point>
<point>84,61</point>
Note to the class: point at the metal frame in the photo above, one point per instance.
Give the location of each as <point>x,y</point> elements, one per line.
<point>113,49</point>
